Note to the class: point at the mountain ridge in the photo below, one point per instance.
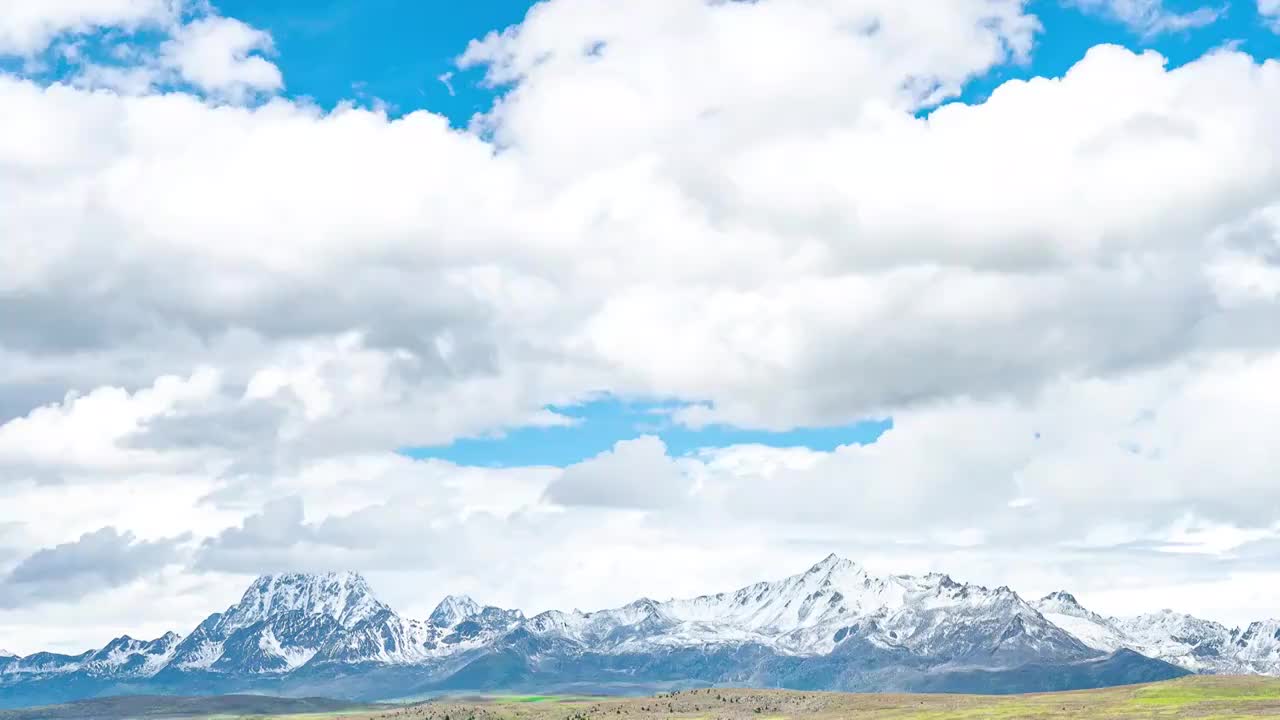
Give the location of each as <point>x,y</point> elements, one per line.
<point>1199,645</point>
<point>833,626</point>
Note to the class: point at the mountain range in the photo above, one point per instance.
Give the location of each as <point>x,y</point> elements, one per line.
<point>834,626</point>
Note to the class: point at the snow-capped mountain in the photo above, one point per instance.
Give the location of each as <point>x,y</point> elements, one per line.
<point>832,602</point>
<point>279,624</point>
<point>1062,609</point>
<point>126,657</point>
<point>1199,645</point>
<point>1187,641</point>
<point>453,610</point>
<point>457,625</point>
<point>123,657</point>
<point>1258,647</point>
<point>344,597</point>
<point>285,622</point>
<point>39,666</point>
<point>833,626</point>
<point>6,654</point>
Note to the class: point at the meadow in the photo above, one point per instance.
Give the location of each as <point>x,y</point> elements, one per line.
<point>1199,697</point>
<point>1204,697</point>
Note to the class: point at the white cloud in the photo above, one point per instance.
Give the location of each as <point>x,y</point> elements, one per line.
<point>1270,12</point>
<point>89,433</point>
<point>98,560</point>
<point>634,474</point>
<point>1139,455</point>
<point>641,83</point>
<point>27,27</point>
<point>221,58</point>
<point>563,288</point>
<point>1151,17</point>
<point>217,55</point>
<point>767,232</point>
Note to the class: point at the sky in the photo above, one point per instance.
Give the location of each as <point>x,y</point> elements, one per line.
<point>561,305</point>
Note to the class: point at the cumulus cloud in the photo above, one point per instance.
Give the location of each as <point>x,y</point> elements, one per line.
<point>103,559</point>
<point>634,474</point>
<point>1131,456</point>
<point>218,55</point>
<point>29,27</point>
<point>221,58</point>
<point>400,535</point>
<point>1089,472</point>
<point>979,263</point>
<point>88,434</point>
<point>837,60</point>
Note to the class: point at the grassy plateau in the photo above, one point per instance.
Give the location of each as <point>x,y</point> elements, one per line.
<point>1206,698</point>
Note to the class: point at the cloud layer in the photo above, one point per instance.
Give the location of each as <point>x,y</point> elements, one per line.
<point>226,309</point>
<point>99,560</point>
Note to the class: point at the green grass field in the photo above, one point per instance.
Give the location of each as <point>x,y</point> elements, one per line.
<point>1203,698</point>
<point>1199,698</point>
<point>215,707</point>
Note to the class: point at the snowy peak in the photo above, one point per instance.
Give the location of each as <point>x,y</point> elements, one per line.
<point>6,654</point>
<point>643,606</point>
<point>556,622</point>
<point>1065,604</point>
<point>463,620</point>
<point>1258,647</point>
<point>1170,624</point>
<point>1061,601</point>
<point>812,612</point>
<point>280,623</point>
<point>832,564</point>
<point>1184,640</point>
<point>453,610</point>
<point>284,622</point>
<point>127,657</point>
<point>1062,609</point>
<point>344,597</point>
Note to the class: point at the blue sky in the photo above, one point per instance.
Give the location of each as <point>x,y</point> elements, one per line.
<point>325,51</point>
<point>1069,32</point>
<point>601,423</point>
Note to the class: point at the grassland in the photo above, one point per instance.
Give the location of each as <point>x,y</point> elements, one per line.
<point>1205,698</point>
<point>217,707</point>
<point>1202,698</point>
